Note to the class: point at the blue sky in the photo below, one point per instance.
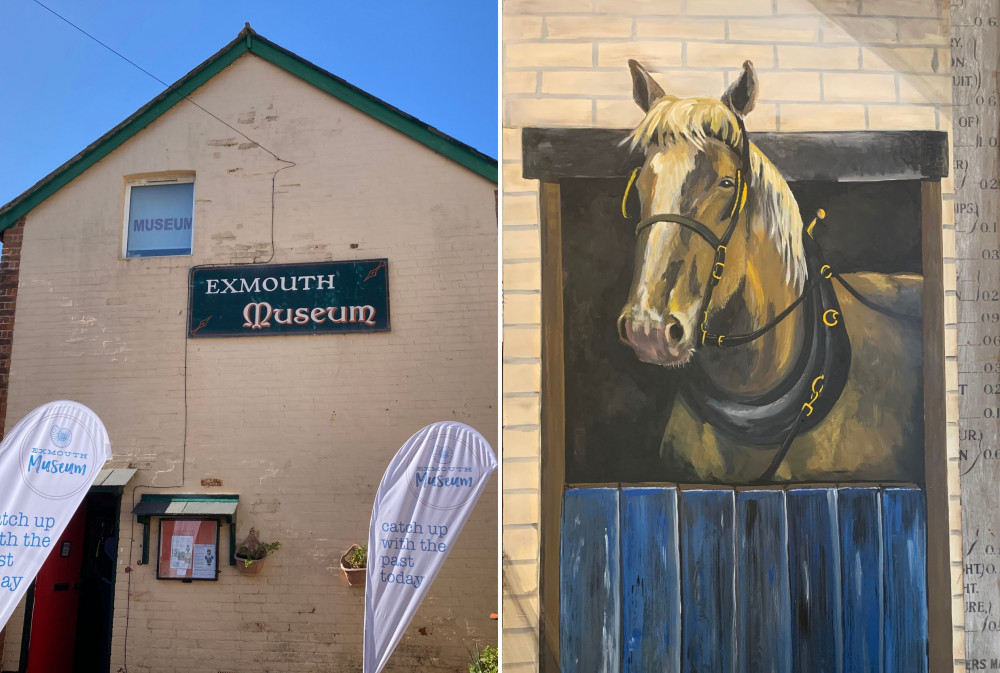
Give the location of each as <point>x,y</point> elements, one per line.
<point>436,60</point>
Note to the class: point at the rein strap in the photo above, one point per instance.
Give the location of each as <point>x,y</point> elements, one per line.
<point>728,341</point>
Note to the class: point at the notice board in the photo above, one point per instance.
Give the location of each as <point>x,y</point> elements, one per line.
<point>189,550</point>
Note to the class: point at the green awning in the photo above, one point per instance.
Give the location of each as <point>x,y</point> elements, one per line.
<point>113,480</point>
<point>158,504</point>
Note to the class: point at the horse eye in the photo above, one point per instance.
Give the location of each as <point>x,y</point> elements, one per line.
<point>727,183</point>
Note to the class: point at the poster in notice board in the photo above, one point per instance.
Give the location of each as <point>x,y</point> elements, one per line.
<point>189,549</point>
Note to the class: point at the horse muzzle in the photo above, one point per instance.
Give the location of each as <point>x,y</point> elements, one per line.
<point>656,341</point>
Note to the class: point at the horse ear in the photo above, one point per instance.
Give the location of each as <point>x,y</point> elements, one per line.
<point>742,95</point>
<point>645,91</point>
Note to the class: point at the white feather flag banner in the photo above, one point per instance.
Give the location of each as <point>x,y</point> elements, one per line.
<point>426,495</point>
<point>48,462</point>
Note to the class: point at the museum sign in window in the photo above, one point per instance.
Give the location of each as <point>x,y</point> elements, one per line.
<point>159,217</point>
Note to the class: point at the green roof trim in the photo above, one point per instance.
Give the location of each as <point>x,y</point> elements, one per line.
<point>189,497</point>
<point>247,41</point>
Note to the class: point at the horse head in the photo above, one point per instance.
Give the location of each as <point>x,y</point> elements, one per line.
<point>709,200</point>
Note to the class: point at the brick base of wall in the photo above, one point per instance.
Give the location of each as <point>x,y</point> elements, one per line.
<point>10,270</point>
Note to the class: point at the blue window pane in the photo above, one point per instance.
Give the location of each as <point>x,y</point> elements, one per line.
<point>160,220</point>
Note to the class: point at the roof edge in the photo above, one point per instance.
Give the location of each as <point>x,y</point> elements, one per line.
<point>247,41</point>
<point>427,135</point>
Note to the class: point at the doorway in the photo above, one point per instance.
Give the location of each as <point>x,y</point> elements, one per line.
<point>70,604</point>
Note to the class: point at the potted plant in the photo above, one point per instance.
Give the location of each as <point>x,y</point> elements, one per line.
<point>354,563</point>
<point>252,551</point>
<point>486,660</point>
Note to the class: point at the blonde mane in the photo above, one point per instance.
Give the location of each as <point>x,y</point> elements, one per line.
<point>771,205</point>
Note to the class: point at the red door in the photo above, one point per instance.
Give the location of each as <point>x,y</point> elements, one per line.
<point>57,598</point>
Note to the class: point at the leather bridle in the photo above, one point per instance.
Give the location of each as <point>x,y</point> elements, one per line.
<point>735,209</point>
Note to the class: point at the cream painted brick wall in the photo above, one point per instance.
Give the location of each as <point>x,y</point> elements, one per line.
<point>682,29</point>
<point>638,7</point>
<point>587,27</point>
<point>819,58</point>
<point>822,65</point>
<point>522,440</point>
<point>771,30</point>
<point>712,55</point>
<point>522,276</point>
<point>903,59</point>
<point>851,30</point>
<point>518,81</point>
<point>793,86</point>
<point>301,427</point>
<point>730,9</point>
<point>523,27</point>
<point>520,210</point>
<point>521,309</point>
<point>522,378</point>
<point>521,544</point>
<point>529,55</point>
<point>854,87</point>
<point>520,244</point>
<point>654,54</point>
<point>520,410</point>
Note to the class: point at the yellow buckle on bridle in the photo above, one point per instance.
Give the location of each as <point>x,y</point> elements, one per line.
<point>808,406</point>
<point>820,214</point>
<point>720,262</point>
<point>832,320</point>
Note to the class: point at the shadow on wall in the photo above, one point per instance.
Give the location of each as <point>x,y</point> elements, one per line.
<point>872,29</point>
<point>518,597</point>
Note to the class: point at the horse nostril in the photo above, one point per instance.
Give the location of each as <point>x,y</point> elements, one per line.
<point>675,333</point>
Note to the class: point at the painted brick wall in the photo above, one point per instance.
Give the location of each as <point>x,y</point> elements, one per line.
<point>822,65</point>
<point>301,427</point>
<point>10,265</point>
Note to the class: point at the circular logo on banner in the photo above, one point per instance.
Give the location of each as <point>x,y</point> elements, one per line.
<point>443,455</point>
<point>57,457</point>
<point>446,473</point>
<point>61,437</point>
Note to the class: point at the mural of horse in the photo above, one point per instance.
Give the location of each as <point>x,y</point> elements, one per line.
<point>792,372</point>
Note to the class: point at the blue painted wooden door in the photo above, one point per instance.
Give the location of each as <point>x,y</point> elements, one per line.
<point>762,581</point>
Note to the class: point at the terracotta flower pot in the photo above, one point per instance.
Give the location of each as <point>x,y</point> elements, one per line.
<point>355,576</point>
<point>252,569</point>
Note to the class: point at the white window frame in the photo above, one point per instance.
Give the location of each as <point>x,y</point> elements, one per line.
<point>144,182</point>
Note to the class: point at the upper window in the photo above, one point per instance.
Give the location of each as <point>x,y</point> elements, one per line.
<point>159,217</point>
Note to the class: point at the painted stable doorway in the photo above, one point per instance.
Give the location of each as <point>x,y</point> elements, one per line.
<point>71,601</point>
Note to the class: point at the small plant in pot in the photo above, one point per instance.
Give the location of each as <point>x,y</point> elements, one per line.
<point>354,563</point>
<point>486,660</point>
<point>252,551</point>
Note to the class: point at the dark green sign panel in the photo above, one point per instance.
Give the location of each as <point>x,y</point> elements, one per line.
<point>311,298</point>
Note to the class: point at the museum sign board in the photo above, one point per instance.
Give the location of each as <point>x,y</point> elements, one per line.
<point>310,298</point>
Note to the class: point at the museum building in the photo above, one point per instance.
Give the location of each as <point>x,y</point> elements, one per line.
<point>263,282</point>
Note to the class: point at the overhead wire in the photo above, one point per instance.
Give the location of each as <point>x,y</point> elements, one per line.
<point>143,70</point>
